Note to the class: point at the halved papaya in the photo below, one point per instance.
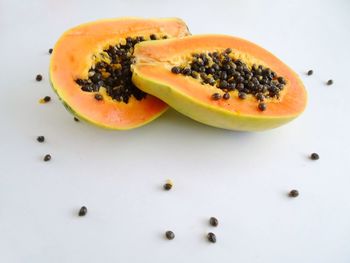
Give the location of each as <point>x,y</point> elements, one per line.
<point>90,70</point>
<point>219,80</point>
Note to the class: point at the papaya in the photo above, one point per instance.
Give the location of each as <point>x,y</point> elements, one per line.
<point>90,70</point>
<point>222,81</point>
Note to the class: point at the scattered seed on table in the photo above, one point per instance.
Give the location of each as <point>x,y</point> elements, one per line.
<point>211,237</point>
<point>293,193</point>
<point>330,82</point>
<point>50,51</point>
<point>83,211</point>
<point>76,119</point>
<point>168,185</point>
<point>39,77</point>
<point>40,138</point>
<point>310,72</point>
<point>47,157</point>
<point>213,221</point>
<point>314,156</point>
<point>47,98</point>
<point>169,235</point>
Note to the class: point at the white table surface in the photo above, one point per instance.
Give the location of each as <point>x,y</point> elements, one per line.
<point>241,178</point>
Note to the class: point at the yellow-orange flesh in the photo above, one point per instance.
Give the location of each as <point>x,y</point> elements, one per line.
<point>74,54</point>
<point>154,61</point>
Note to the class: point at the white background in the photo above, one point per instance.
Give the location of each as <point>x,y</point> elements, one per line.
<point>241,178</point>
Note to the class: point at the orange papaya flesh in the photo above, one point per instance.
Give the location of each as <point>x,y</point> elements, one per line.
<point>90,70</point>
<point>180,73</point>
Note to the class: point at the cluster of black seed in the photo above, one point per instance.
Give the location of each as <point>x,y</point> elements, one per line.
<point>115,76</point>
<point>221,70</point>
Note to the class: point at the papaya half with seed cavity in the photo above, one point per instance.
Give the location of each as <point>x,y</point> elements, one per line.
<point>219,80</point>
<point>90,70</point>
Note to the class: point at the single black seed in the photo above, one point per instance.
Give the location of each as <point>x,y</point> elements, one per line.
<point>213,221</point>
<point>228,50</point>
<point>242,95</point>
<point>293,193</point>
<point>98,96</point>
<point>186,71</point>
<point>281,80</point>
<point>83,211</point>
<point>39,77</point>
<point>226,96</point>
<point>47,98</point>
<point>153,37</point>
<point>40,138</point>
<point>310,72</point>
<point>262,106</point>
<point>314,156</point>
<point>194,74</point>
<point>176,70</point>
<point>216,96</point>
<point>223,84</point>
<point>330,82</point>
<point>169,235</point>
<point>211,237</point>
<point>47,157</point>
<point>260,97</point>
<point>165,37</point>
<point>167,186</point>
<point>76,119</point>
<point>50,51</point>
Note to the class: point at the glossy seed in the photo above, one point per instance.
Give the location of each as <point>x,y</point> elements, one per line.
<point>330,82</point>
<point>310,72</point>
<point>216,96</point>
<point>242,95</point>
<point>293,193</point>
<point>47,98</point>
<point>262,106</point>
<point>228,50</point>
<point>76,119</point>
<point>39,77</point>
<point>50,51</point>
<point>153,37</point>
<point>213,221</point>
<point>98,96</point>
<point>83,211</point>
<point>40,138</point>
<point>175,70</point>
<point>47,157</point>
<point>169,235</point>
<point>211,237</point>
<point>314,156</point>
<point>226,96</point>
<point>167,186</point>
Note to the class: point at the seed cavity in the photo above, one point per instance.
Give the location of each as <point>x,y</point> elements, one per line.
<point>223,71</point>
<point>111,71</point>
